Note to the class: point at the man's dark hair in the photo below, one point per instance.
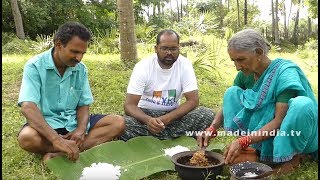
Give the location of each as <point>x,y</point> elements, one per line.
<point>167,31</point>
<point>70,29</point>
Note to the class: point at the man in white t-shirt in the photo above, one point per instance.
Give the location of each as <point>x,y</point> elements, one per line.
<point>156,85</point>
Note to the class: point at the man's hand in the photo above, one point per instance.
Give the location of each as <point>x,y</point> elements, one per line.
<point>232,152</point>
<point>155,125</point>
<point>77,136</point>
<point>67,146</point>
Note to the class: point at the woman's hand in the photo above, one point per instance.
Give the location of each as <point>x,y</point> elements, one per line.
<point>232,151</point>
<point>204,139</point>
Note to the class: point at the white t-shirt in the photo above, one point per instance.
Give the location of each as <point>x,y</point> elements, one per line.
<point>161,89</point>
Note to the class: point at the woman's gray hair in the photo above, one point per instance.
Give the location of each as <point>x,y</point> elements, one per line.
<point>248,40</point>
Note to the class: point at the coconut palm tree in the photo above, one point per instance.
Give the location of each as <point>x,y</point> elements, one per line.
<point>128,48</point>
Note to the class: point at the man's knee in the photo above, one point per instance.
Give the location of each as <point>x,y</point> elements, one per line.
<point>202,111</point>
<point>27,138</point>
<point>205,114</point>
<point>120,124</point>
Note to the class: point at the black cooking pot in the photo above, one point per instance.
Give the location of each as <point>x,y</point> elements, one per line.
<point>188,172</point>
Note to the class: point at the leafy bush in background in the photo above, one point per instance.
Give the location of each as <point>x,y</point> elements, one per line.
<point>309,51</point>
<point>285,46</point>
<point>11,44</point>
<point>204,50</point>
<point>16,46</point>
<point>104,42</point>
<point>7,37</point>
<point>42,43</point>
<point>312,44</point>
<point>159,22</point>
<point>145,33</point>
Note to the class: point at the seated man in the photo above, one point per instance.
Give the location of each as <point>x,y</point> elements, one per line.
<point>55,96</point>
<point>154,92</point>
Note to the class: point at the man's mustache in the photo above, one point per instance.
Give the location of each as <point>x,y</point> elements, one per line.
<point>168,57</point>
<point>75,61</point>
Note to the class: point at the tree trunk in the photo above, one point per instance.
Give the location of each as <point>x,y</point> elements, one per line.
<point>296,27</point>
<point>276,27</point>
<point>266,32</point>
<point>221,16</point>
<point>245,12</point>
<point>309,27</point>
<point>128,49</point>
<point>178,18</point>
<point>288,22</point>
<point>162,7</point>
<point>273,22</point>
<point>17,19</point>
<point>159,9</point>
<point>238,11</point>
<point>187,5</point>
<point>171,9</point>
<point>148,13</point>
<point>181,9</point>
<point>228,6</point>
<point>285,21</point>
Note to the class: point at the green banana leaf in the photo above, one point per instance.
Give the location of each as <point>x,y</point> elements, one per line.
<point>139,157</point>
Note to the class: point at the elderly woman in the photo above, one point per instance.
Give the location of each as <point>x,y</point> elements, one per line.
<point>268,96</point>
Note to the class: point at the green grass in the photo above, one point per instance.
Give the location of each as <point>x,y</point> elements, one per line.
<point>108,80</point>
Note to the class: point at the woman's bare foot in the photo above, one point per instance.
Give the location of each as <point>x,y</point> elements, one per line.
<point>48,156</point>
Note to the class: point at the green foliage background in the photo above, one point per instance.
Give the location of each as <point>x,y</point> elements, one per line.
<point>108,79</point>
<point>42,17</point>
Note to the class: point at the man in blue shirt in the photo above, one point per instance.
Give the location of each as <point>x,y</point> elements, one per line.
<point>55,96</point>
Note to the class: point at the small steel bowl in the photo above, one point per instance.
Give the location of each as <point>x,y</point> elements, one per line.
<point>239,170</point>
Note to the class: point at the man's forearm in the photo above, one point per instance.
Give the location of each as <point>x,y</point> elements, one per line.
<point>82,117</point>
<point>37,121</point>
<point>135,112</point>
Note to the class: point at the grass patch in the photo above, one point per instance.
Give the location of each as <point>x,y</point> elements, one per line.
<point>108,80</point>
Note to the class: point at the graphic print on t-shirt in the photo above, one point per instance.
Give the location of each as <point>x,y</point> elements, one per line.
<point>165,98</point>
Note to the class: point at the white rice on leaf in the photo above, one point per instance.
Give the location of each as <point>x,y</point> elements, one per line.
<point>174,150</point>
<point>101,171</point>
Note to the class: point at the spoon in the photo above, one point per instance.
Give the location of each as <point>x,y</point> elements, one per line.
<point>203,149</point>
